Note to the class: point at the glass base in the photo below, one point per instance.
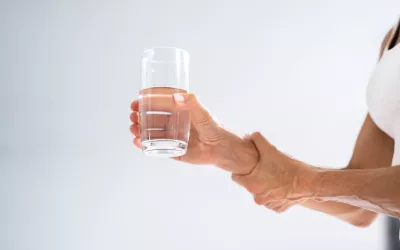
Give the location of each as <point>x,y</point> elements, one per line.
<point>164,148</point>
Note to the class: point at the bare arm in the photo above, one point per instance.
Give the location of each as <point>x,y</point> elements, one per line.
<point>211,144</point>
<point>373,189</point>
<point>373,149</point>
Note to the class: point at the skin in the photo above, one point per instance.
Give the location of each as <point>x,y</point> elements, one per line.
<point>356,193</point>
<point>209,143</point>
<point>374,149</point>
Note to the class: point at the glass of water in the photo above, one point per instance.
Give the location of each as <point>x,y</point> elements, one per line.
<point>164,130</point>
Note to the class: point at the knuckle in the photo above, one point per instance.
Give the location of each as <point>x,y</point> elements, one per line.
<point>281,210</point>
<point>278,209</point>
<point>259,200</point>
<point>191,98</point>
<point>257,134</point>
<point>234,177</point>
<point>252,188</point>
<point>206,119</point>
<point>270,206</point>
<point>260,140</point>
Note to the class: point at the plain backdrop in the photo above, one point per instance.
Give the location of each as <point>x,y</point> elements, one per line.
<point>70,177</point>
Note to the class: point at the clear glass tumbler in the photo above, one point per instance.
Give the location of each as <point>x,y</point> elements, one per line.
<point>164,130</point>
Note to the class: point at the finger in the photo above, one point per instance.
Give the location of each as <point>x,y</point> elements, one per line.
<point>174,103</point>
<point>209,130</point>
<point>134,117</point>
<point>267,198</point>
<point>287,206</point>
<point>134,128</point>
<point>277,204</point>
<point>283,208</point>
<point>137,142</point>
<point>157,102</point>
<point>190,102</point>
<point>135,105</point>
<point>269,205</point>
<point>160,126</point>
<point>258,199</point>
<point>262,199</point>
<point>178,158</point>
<point>259,141</point>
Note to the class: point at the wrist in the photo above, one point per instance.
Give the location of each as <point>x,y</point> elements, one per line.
<point>235,154</point>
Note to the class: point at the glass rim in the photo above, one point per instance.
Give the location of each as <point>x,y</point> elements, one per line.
<point>185,52</point>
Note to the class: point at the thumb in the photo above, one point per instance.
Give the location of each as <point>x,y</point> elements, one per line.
<point>259,141</point>
<point>201,118</point>
<point>200,115</point>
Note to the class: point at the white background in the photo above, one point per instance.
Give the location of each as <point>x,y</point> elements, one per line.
<point>70,177</point>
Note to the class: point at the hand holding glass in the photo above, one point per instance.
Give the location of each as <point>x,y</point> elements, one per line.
<point>164,130</point>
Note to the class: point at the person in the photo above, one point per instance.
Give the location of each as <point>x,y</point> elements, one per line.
<point>368,185</point>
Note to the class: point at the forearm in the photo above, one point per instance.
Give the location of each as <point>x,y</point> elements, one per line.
<point>372,189</point>
<point>240,155</point>
<point>354,215</point>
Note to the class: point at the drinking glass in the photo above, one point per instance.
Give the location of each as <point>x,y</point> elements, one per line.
<point>164,130</point>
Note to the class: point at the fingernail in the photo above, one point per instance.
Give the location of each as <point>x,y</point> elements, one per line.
<point>179,98</point>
